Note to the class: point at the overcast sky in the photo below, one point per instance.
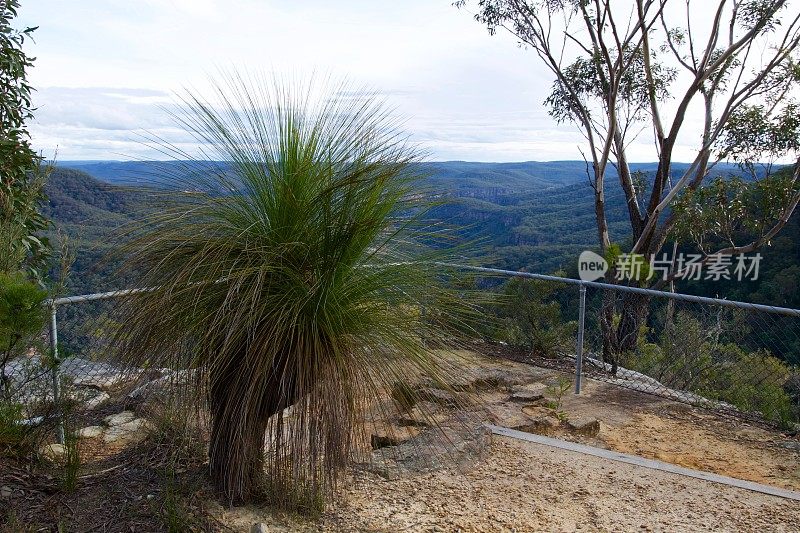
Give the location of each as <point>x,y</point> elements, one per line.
<point>104,67</point>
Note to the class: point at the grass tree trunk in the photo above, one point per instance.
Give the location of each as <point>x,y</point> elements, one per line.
<point>239,419</point>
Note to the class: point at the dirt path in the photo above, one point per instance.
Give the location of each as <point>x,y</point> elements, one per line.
<point>523,486</point>
<point>528,487</point>
<point>647,426</point>
<point>657,428</point>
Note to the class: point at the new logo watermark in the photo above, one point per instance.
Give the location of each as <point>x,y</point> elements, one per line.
<point>715,267</point>
<point>591,266</point>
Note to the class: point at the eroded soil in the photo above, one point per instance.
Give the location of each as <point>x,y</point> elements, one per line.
<point>521,486</point>
<point>514,486</point>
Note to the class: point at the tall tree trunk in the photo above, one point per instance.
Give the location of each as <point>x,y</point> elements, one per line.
<point>633,314</point>
<point>621,337</point>
<point>610,349</point>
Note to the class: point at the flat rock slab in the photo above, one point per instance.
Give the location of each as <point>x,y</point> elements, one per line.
<point>494,378</point>
<point>90,432</point>
<point>433,449</point>
<point>130,432</point>
<point>528,393</point>
<point>442,397</point>
<point>167,383</point>
<point>541,425</point>
<point>424,413</point>
<point>392,436</point>
<point>86,373</point>
<point>118,419</point>
<point>508,415</point>
<point>584,425</point>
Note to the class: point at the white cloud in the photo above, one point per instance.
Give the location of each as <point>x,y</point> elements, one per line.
<point>105,67</point>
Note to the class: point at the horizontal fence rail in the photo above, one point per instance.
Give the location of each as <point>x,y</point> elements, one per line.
<point>634,290</point>
<point>506,273</point>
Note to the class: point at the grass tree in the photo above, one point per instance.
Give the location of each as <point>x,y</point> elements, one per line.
<point>287,274</point>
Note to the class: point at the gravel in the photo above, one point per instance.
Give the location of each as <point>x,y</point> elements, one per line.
<point>524,487</point>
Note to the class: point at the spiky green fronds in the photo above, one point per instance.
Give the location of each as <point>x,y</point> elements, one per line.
<point>289,275</point>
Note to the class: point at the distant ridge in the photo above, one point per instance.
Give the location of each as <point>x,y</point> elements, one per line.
<point>456,176</point>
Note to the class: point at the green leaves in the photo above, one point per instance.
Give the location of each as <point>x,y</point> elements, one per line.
<point>757,135</point>
<point>729,208</point>
<point>292,276</point>
<point>21,311</point>
<point>22,318</point>
<point>531,316</point>
<point>588,81</point>
<point>760,14</point>
<point>21,174</point>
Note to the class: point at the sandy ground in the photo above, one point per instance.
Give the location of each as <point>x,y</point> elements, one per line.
<point>529,487</point>
<point>676,433</point>
<point>522,486</point>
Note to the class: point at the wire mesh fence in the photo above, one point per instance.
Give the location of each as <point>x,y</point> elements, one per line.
<point>741,359</point>
<point>75,404</point>
<point>736,357</point>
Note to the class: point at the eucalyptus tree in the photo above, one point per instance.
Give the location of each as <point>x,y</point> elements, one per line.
<point>288,274</point>
<point>719,77</point>
<point>21,176</point>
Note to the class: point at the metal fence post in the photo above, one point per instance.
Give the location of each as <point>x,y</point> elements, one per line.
<point>579,347</point>
<point>54,372</point>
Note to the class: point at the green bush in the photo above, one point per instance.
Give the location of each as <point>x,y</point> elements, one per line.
<point>22,318</point>
<point>754,382</point>
<point>690,357</point>
<point>531,317</point>
<point>12,432</point>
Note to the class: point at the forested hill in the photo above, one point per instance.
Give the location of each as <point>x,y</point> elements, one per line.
<point>455,175</point>
<point>90,212</point>
<point>523,222</point>
<point>533,216</point>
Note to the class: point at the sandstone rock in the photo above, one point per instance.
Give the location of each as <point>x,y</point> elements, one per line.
<point>391,436</point>
<point>540,424</point>
<point>493,378</point>
<point>442,397</point>
<point>508,415</point>
<point>433,449</point>
<point>528,393</point>
<point>587,426</point>
<point>104,376</point>
<point>120,418</point>
<point>163,385</point>
<point>97,400</point>
<point>127,433</point>
<point>90,432</point>
<point>53,452</point>
<point>423,414</point>
<point>791,445</point>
